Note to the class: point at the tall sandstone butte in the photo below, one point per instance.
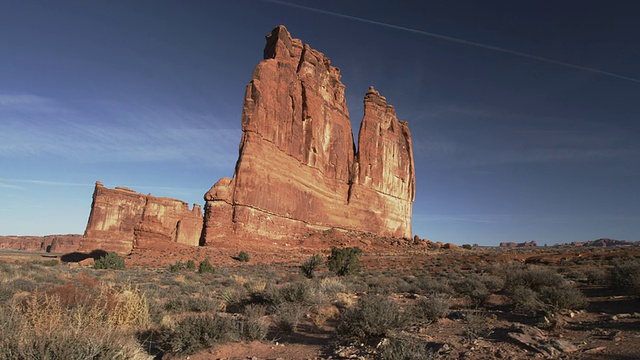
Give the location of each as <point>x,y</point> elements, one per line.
<point>122,219</point>
<point>298,170</point>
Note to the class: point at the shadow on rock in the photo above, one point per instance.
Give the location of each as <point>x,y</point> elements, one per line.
<point>78,256</point>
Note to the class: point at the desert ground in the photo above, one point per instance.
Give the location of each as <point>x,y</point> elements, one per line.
<point>394,300</point>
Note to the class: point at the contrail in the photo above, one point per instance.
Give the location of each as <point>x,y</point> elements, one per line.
<point>457,40</point>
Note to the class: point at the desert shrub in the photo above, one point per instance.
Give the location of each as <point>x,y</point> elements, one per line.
<point>296,292</point>
<point>189,303</point>
<point>6,293</point>
<point>287,316</point>
<point>597,276</point>
<point>430,285</point>
<point>344,261</point>
<point>430,309</point>
<point>476,326</point>
<point>205,267</point>
<point>49,263</point>
<point>23,285</point>
<point>197,332</point>
<point>179,266</point>
<point>310,265</point>
<point>406,348</point>
<point>467,246</point>
<point>331,286</point>
<point>492,282</point>
<point>243,256</point>
<point>563,297</point>
<point>473,288</point>
<point>537,289</point>
<point>109,261</point>
<point>234,297</point>
<point>253,326</point>
<point>374,316</point>
<point>190,265</point>
<point>625,277</point>
<point>532,278</point>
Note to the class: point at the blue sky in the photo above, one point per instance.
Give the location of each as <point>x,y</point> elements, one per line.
<point>524,114</point>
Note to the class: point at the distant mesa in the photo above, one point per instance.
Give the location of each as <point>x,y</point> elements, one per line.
<point>603,242</point>
<point>531,243</point>
<point>49,243</point>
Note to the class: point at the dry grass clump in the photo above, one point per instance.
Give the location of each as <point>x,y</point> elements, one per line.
<point>43,326</point>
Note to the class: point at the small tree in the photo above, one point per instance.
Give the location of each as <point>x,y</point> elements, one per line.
<point>344,261</point>
<point>243,256</point>
<point>311,264</point>
<point>191,265</point>
<point>110,261</point>
<point>205,267</point>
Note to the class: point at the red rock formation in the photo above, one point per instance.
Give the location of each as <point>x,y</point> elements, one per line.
<point>298,171</point>
<point>49,243</point>
<point>122,219</point>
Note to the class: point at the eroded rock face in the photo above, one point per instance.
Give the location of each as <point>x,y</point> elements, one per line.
<point>298,170</point>
<point>122,219</point>
<point>49,243</point>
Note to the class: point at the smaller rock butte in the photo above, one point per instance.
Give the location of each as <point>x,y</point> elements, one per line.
<point>122,220</point>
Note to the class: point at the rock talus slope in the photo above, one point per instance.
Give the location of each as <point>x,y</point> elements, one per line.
<point>122,219</point>
<point>298,169</point>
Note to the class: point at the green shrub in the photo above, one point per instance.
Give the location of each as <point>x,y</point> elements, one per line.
<point>467,246</point>
<point>50,262</point>
<point>243,256</point>
<point>473,288</point>
<point>205,267</point>
<point>373,317</point>
<point>430,285</point>
<point>177,266</point>
<point>190,265</point>
<point>537,289</point>
<point>344,261</point>
<point>296,292</point>
<point>625,277</point>
<point>197,332</point>
<point>310,265</point>
<point>597,276</point>
<point>407,349</point>
<point>430,309</point>
<point>110,261</point>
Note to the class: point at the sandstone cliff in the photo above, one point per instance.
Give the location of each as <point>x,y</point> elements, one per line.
<point>122,219</point>
<point>298,170</point>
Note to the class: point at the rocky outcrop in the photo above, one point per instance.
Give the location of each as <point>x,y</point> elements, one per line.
<point>298,170</point>
<point>122,219</point>
<point>48,243</point>
<point>603,242</point>
<point>531,243</point>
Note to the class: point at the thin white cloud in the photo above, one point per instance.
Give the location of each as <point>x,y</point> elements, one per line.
<point>136,134</point>
<point>458,41</point>
<point>10,186</point>
<point>480,137</point>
